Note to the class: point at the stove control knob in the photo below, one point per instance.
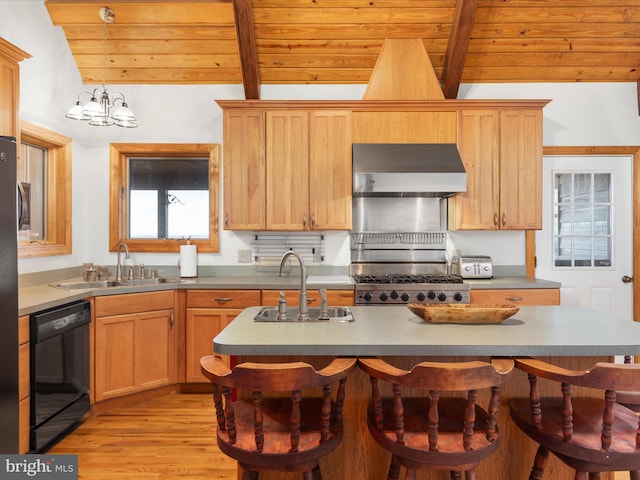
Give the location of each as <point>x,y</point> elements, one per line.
<point>431,295</point>
<point>367,297</point>
<point>404,297</point>
<point>420,297</point>
<point>442,297</point>
<point>384,297</point>
<point>457,296</point>
<point>394,295</point>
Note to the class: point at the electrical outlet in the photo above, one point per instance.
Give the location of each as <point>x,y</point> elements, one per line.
<point>244,256</point>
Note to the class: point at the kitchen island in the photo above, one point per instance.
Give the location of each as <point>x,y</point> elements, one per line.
<point>567,336</point>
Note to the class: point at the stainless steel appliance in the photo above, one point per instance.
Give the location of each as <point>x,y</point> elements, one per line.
<point>398,241</point>
<point>473,266</point>
<point>427,169</point>
<point>59,372</point>
<point>9,415</point>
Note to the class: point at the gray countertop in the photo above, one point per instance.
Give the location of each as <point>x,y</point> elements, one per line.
<point>394,330</point>
<point>35,298</point>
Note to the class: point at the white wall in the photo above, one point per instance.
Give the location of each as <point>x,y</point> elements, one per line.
<point>580,114</point>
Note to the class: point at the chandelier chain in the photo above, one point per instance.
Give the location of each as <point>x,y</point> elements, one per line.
<point>104,56</point>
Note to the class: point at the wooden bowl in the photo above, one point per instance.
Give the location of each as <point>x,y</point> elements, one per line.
<point>463,313</point>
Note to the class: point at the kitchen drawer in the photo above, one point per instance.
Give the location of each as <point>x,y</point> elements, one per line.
<point>133,303</point>
<point>222,298</point>
<point>336,298</point>
<point>525,296</point>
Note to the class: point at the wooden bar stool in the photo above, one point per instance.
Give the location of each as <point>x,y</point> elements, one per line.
<point>590,435</point>
<point>271,432</point>
<point>433,431</point>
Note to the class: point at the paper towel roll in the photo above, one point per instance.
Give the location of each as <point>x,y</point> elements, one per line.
<point>188,261</point>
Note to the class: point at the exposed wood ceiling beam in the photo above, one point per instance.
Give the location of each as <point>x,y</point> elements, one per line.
<point>458,46</point>
<point>247,48</point>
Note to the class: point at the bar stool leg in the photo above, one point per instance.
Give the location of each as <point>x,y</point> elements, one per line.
<point>394,469</point>
<point>539,464</point>
<point>470,475</point>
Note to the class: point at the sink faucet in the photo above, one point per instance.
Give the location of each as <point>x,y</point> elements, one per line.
<point>303,313</point>
<point>119,248</point>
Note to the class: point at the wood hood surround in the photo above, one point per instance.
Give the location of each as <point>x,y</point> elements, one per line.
<point>403,71</point>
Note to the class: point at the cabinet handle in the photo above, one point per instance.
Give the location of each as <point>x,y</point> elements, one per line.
<point>223,299</point>
<point>313,219</point>
<point>311,300</point>
<point>226,219</point>
<point>304,220</point>
<point>504,218</point>
<point>514,299</point>
<point>172,319</point>
<point>495,219</point>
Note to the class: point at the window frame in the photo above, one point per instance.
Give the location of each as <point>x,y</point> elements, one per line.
<point>59,208</point>
<point>119,154</point>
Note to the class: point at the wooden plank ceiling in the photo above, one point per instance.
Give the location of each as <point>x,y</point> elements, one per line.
<point>255,42</point>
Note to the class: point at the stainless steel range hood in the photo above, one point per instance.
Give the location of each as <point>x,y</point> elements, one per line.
<point>407,169</point>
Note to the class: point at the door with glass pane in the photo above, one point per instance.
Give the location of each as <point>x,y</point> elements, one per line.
<point>586,237</point>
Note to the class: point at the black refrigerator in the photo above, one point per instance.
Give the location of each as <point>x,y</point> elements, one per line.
<point>9,418</point>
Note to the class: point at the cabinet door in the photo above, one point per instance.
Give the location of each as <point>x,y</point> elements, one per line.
<point>134,352</point>
<point>330,182</point>
<point>154,352</point>
<point>520,169</point>
<point>287,147</point>
<point>114,356</point>
<point>203,324</point>
<point>477,208</point>
<point>244,170</point>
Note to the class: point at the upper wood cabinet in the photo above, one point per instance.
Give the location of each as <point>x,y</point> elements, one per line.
<point>244,170</point>
<point>288,163</point>
<point>502,154</point>
<point>287,170</point>
<point>330,182</point>
<point>10,56</point>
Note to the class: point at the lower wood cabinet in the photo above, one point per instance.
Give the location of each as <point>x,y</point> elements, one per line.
<point>135,344</point>
<point>23,383</point>
<point>525,296</point>
<point>208,312</point>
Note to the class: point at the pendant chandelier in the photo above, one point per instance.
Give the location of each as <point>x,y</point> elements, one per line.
<point>100,110</point>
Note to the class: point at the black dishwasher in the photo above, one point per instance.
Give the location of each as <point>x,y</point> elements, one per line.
<point>59,372</point>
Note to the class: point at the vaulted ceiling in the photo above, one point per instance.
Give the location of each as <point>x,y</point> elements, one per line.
<point>253,42</point>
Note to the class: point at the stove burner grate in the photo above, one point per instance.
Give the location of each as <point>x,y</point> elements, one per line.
<point>407,278</point>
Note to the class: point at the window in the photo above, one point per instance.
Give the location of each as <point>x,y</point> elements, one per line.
<point>162,194</point>
<point>583,225</point>
<point>44,170</point>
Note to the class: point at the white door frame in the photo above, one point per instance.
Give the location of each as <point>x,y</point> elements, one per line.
<point>634,152</point>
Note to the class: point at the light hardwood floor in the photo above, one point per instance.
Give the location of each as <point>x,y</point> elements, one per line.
<point>168,437</point>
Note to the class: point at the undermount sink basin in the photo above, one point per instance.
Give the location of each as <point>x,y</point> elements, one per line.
<point>336,314</point>
<point>113,283</point>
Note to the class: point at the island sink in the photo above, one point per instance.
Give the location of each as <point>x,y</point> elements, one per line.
<point>335,314</point>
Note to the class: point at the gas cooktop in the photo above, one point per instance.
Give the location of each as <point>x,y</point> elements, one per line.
<point>379,289</point>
